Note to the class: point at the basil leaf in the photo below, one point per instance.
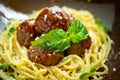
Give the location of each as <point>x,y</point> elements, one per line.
<point>102,26</point>
<point>60,40</point>
<point>11,30</point>
<point>82,76</point>
<point>77,32</point>
<point>54,40</point>
<point>92,70</point>
<point>4,66</point>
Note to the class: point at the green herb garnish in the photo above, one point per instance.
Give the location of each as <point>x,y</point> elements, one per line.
<point>82,76</point>
<point>11,30</point>
<point>4,66</point>
<point>60,40</point>
<point>92,70</point>
<point>77,32</point>
<point>101,25</point>
<point>55,39</point>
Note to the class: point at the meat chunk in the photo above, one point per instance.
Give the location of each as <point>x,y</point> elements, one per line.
<point>26,32</point>
<point>45,57</point>
<point>79,48</point>
<point>51,18</point>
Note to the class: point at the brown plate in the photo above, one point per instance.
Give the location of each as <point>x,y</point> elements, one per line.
<point>107,10</point>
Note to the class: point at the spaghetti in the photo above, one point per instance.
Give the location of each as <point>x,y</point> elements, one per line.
<point>70,67</point>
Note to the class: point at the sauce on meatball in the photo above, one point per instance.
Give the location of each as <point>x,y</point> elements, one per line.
<point>26,32</point>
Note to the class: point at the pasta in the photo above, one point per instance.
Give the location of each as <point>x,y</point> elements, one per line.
<point>70,67</point>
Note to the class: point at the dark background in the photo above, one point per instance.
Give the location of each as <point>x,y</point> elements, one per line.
<point>27,6</point>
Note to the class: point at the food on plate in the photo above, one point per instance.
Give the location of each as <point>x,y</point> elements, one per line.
<point>26,32</point>
<point>51,18</point>
<point>55,43</point>
<point>45,57</point>
<point>79,48</point>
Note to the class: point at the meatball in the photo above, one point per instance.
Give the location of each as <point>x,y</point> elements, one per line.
<point>79,48</point>
<point>51,18</point>
<point>45,57</point>
<point>26,32</point>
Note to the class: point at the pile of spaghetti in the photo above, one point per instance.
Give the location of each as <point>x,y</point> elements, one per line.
<point>15,64</point>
